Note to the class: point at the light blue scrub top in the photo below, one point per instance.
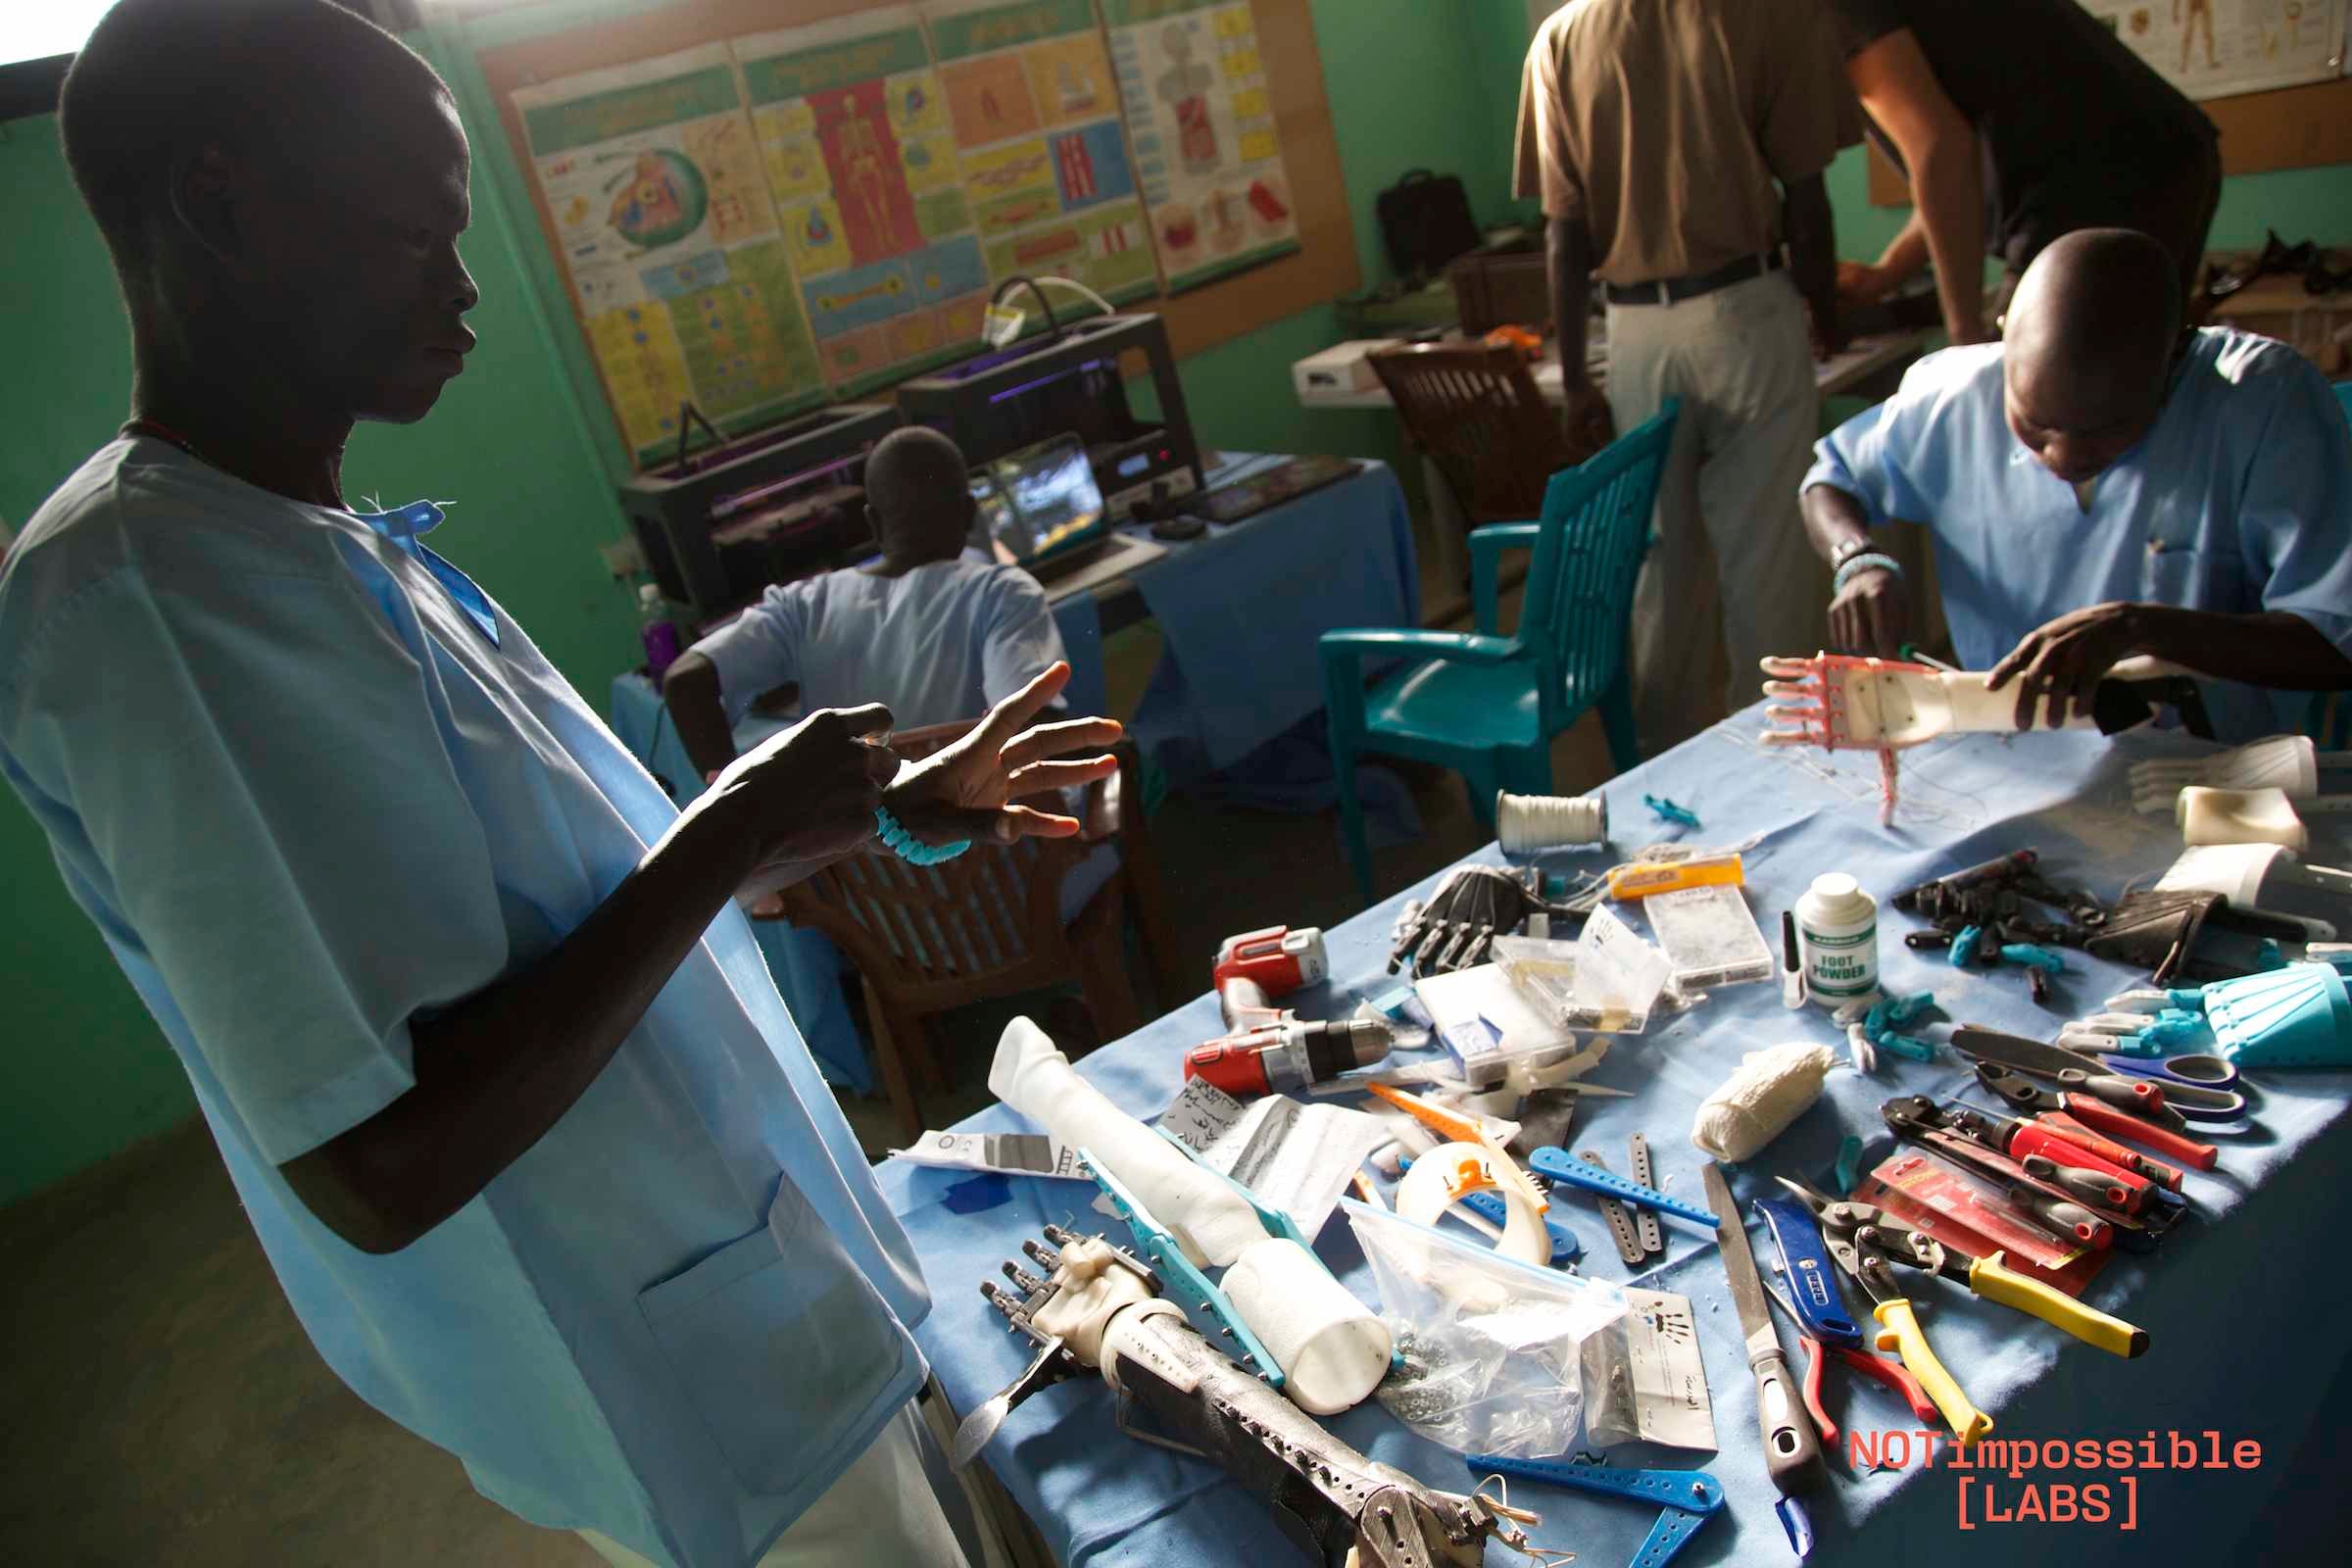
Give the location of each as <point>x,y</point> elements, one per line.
<point>944,642</point>
<point>2238,499</point>
<point>310,782</point>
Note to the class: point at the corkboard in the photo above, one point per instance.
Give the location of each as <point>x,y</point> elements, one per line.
<point>2290,128</point>
<point>1323,267</point>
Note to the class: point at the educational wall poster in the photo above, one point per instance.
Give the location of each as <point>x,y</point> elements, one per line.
<point>2218,48</point>
<point>666,231</point>
<point>1035,114</point>
<point>1202,125</point>
<point>853,133</point>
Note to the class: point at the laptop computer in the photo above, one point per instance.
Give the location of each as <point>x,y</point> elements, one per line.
<point>1039,509</point>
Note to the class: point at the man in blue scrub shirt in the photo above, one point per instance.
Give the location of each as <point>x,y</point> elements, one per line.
<point>2102,486</point>
<point>530,1141</point>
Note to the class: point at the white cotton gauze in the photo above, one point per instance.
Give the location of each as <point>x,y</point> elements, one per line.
<point>1332,1349</point>
<point>1755,1104</point>
<point>1209,1220</point>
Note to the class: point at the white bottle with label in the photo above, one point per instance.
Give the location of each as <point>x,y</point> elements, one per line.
<point>1838,940</point>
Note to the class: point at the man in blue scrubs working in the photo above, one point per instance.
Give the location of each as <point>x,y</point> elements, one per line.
<point>933,633</point>
<point>530,1141</point>
<point>2101,485</point>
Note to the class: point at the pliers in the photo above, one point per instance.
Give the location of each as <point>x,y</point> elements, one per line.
<point>1866,1243</point>
<point>1893,1374</point>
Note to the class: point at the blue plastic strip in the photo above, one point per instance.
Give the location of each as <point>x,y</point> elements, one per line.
<point>1561,1166</point>
<point>1687,1499</point>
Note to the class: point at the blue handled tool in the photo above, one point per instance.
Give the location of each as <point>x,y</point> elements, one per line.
<point>1559,1166</point>
<point>2198,1087</point>
<point>1687,1499</point>
<point>1812,1278</point>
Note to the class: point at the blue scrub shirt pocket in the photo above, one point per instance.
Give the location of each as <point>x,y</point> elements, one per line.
<point>775,1338</point>
<point>2197,579</point>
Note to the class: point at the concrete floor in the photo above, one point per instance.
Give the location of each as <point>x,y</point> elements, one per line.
<point>166,1408</point>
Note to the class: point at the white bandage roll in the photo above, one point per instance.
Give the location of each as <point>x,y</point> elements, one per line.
<point>1756,1103</point>
<point>1209,1220</point>
<point>1452,1172</point>
<point>1332,1349</point>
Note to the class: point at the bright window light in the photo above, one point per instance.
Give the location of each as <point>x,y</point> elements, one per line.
<point>39,28</point>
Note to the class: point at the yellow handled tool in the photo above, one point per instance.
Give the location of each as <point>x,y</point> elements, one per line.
<point>1994,1280</point>
<point>1899,1331</point>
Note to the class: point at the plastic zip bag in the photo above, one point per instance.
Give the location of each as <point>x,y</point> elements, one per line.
<point>1492,1346</point>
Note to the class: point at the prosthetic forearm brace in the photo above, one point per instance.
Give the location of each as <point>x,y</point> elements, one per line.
<point>1098,1309</point>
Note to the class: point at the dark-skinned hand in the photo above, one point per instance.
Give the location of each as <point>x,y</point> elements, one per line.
<point>1584,416</point>
<point>809,793</point>
<point>970,788</point>
<point>1872,614</point>
<point>2059,666</point>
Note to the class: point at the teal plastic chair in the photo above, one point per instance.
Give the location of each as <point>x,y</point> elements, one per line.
<point>1489,705</point>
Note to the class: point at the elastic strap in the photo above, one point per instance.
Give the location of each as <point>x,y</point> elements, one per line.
<point>908,848</point>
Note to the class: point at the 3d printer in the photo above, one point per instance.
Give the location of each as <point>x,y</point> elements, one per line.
<point>1071,380</point>
<point>719,526</point>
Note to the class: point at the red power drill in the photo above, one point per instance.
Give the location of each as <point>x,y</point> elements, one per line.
<point>1269,1050</point>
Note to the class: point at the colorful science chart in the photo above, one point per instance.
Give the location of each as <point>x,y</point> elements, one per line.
<point>1036,118</point>
<point>1201,123</point>
<point>855,135</point>
<point>666,228</point>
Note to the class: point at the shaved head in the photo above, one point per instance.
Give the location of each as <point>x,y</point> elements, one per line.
<point>282,184</point>
<point>916,485</point>
<point>159,80</point>
<point>2088,348</point>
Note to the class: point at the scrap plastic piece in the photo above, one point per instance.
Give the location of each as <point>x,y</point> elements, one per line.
<point>1964,945</point>
<point>2037,957</point>
<point>1672,813</point>
<point>1848,1169</point>
<point>1909,1047</point>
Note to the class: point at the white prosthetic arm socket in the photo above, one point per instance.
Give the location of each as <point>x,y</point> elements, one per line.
<point>1333,1351</point>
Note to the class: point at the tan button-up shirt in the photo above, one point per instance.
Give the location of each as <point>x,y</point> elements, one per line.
<point>1663,125</point>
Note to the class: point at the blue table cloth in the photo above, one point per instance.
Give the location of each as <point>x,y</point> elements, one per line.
<point>2242,1303</point>
<point>1241,608</point>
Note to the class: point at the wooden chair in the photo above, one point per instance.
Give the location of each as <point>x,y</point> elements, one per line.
<point>927,940</point>
<point>1474,411</point>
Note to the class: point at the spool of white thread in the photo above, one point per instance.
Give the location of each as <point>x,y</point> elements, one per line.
<point>1524,823</point>
<point>1332,1349</point>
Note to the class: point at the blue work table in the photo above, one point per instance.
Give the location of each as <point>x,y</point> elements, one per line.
<point>1239,608</point>
<point>2244,1304</point>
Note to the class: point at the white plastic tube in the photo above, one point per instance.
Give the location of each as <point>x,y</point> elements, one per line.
<point>1209,1220</point>
<point>1332,1349</point>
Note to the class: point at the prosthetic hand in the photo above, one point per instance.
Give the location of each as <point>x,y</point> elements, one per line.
<point>1835,700</point>
<point>1100,1309</point>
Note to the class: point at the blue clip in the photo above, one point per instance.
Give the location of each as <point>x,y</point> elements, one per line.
<point>1672,813</point>
<point>1848,1169</point>
<point>1965,944</point>
<point>2033,957</point>
<point>1901,1010</point>
<point>1909,1047</point>
<point>1688,1498</point>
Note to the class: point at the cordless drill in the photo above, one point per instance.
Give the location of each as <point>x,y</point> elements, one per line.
<point>1266,1048</point>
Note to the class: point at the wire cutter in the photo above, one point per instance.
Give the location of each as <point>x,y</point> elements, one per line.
<point>1874,1239</point>
<point>1867,1244</point>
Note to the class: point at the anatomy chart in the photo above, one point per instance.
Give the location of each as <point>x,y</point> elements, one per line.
<point>855,135</point>
<point>1202,125</point>
<point>666,228</point>
<point>1035,116</point>
<point>2215,48</point>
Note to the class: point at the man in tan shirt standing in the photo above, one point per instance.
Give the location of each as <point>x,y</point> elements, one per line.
<point>1676,144</point>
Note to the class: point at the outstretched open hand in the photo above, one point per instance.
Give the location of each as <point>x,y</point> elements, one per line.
<point>967,790</point>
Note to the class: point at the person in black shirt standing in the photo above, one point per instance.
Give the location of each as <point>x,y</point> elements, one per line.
<point>2019,121</point>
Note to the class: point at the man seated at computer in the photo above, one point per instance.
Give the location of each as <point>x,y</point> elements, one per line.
<point>930,632</point>
<point>2104,484</point>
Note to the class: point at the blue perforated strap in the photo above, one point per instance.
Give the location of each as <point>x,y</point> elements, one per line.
<point>908,848</point>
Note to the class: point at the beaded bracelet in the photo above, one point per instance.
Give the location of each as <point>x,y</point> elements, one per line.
<point>1866,560</point>
<point>908,848</point>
